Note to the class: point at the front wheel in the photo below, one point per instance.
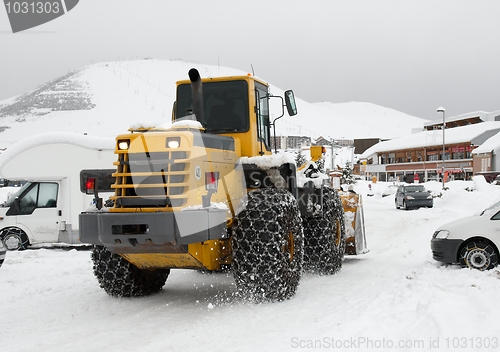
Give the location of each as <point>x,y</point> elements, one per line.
<point>120,278</point>
<point>479,255</point>
<point>14,239</point>
<point>268,246</point>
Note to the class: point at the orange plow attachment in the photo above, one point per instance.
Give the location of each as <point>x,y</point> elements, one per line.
<point>354,223</point>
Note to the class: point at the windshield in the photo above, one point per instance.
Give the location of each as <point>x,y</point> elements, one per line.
<point>11,198</point>
<point>415,188</point>
<point>225,105</point>
<point>491,207</point>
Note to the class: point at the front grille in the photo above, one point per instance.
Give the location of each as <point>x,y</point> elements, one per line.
<point>151,179</point>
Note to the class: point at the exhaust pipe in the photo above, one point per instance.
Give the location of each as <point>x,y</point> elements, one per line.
<point>197,90</point>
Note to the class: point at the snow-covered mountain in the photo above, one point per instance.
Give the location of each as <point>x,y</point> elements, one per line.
<point>105,99</point>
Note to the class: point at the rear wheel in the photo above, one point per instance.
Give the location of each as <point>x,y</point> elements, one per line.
<point>14,239</point>
<point>324,236</point>
<point>120,278</point>
<point>268,246</point>
<point>479,255</point>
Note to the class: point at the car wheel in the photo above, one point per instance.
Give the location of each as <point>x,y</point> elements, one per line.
<point>405,207</point>
<point>396,203</point>
<point>479,255</point>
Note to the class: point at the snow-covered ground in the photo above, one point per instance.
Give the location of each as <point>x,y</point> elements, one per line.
<point>396,295</point>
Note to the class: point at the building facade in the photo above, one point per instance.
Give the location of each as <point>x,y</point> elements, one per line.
<point>430,154</point>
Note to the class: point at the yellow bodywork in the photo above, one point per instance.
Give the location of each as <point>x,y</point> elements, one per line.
<point>210,255</point>
<point>190,162</point>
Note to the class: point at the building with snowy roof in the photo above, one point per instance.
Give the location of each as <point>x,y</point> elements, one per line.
<point>423,153</point>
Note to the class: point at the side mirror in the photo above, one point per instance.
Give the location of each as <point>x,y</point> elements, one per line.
<point>290,103</point>
<point>16,204</point>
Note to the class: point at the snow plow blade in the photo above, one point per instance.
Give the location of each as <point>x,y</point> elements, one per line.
<point>354,223</point>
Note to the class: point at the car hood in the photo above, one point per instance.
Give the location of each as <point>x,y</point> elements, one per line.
<point>460,223</point>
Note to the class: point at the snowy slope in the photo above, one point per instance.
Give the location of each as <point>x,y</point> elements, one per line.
<point>107,98</point>
<point>395,296</point>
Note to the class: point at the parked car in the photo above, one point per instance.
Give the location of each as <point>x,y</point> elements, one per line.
<point>2,253</point>
<point>472,242</point>
<point>413,196</point>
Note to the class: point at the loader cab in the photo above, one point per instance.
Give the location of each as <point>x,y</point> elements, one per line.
<point>233,106</point>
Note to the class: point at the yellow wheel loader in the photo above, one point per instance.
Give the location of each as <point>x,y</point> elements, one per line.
<point>207,193</point>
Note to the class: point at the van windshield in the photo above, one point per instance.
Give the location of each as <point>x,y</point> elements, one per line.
<point>12,197</point>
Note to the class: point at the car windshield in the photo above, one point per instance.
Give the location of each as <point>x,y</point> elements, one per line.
<point>416,188</point>
<point>11,198</point>
<point>490,208</point>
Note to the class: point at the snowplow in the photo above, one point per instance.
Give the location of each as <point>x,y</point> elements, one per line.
<point>208,194</point>
<point>352,204</point>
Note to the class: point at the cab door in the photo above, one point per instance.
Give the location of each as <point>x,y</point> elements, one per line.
<point>37,209</point>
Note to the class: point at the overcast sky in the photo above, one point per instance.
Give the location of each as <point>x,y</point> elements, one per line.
<point>412,56</point>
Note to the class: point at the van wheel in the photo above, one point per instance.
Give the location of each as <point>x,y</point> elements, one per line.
<point>479,255</point>
<point>120,278</point>
<point>14,239</point>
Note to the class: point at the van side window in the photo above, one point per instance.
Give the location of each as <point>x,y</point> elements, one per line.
<point>39,195</point>
<point>47,195</point>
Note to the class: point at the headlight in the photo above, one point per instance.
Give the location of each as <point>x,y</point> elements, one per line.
<point>443,234</point>
<point>409,197</point>
<point>123,144</point>
<point>173,142</point>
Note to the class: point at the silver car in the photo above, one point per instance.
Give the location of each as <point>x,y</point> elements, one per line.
<point>472,242</point>
<point>413,196</point>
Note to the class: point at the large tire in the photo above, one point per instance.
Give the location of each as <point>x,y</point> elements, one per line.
<point>120,278</point>
<point>478,254</point>
<point>324,236</point>
<point>14,239</point>
<point>268,246</point>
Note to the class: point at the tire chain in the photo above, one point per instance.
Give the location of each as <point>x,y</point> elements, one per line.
<point>263,269</point>
<point>120,278</point>
<point>321,254</point>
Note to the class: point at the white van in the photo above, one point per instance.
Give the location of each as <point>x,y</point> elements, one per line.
<point>46,208</point>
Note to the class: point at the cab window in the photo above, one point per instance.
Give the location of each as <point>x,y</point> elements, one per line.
<point>225,106</point>
<point>262,103</point>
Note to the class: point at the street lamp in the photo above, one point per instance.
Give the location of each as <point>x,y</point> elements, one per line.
<point>441,109</point>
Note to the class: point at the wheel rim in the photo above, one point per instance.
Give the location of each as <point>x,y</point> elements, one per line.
<point>12,242</point>
<point>338,232</point>
<point>290,246</point>
<point>478,258</point>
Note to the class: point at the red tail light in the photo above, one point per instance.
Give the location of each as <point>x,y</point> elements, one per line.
<point>211,180</point>
<point>89,185</point>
